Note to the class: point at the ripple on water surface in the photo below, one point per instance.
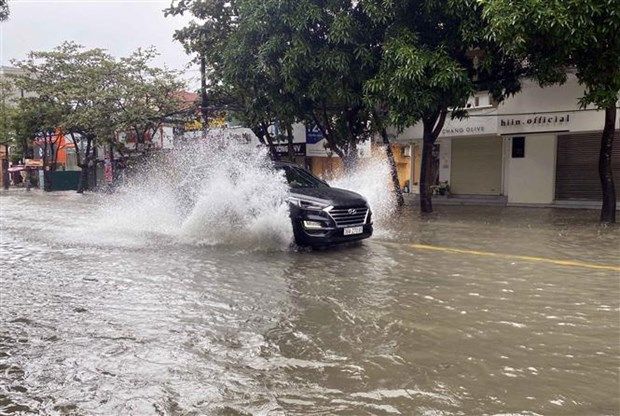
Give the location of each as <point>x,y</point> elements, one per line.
<point>162,326</point>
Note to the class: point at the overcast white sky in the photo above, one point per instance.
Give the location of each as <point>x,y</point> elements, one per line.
<point>120,26</point>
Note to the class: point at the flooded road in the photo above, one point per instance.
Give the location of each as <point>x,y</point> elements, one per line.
<point>112,323</point>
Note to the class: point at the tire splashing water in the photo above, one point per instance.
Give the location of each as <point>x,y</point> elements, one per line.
<point>218,191</point>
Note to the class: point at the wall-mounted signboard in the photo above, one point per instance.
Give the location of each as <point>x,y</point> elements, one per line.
<point>534,123</point>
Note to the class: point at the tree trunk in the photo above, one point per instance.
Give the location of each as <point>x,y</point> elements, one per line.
<point>25,150</point>
<point>85,166</point>
<point>432,127</point>
<point>400,201</point>
<point>5,168</point>
<point>608,212</point>
<point>93,174</point>
<point>47,182</point>
<point>55,148</point>
<point>112,167</point>
<point>83,182</point>
<point>272,147</point>
<point>426,176</point>
<point>289,140</point>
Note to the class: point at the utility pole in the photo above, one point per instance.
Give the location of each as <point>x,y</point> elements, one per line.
<point>203,90</point>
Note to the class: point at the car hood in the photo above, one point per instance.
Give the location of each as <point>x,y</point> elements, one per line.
<point>332,196</point>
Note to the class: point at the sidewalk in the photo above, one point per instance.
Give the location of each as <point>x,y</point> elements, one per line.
<point>502,200</point>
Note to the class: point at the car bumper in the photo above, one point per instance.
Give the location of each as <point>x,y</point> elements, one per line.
<point>327,236</point>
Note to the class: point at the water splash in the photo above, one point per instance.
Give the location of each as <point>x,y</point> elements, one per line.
<point>372,179</point>
<point>218,191</point>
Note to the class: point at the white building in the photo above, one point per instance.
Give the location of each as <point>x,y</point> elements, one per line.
<point>536,148</point>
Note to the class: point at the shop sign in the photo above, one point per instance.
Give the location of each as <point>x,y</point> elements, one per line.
<point>316,144</point>
<point>299,149</point>
<point>318,149</point>
<point>313,134</point>
<point>34,163</point>
<point>457,131</point>
<point>194,125</point>
<point>474,125</point>
<point>533,123</point>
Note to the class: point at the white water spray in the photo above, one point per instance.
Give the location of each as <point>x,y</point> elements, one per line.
<point>218,192</point>
<point>212,192</point>
<point>371,179</point>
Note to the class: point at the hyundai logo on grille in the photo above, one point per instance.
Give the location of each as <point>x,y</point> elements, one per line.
<point>352,211</point>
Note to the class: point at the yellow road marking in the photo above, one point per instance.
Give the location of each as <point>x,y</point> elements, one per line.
<point>517,257</point>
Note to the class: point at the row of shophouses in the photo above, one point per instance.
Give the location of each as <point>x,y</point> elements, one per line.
<point>536,148</point>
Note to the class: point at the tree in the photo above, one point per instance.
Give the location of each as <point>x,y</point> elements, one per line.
<point>146,96</point>
<point>319,55</point>
<point>226,52</point>
<point>6,128</point>
<point>95,96</point>
<point>205,38</point>
<point>434,57</point>
<point>292,61</point>
<point>551,37</point>
<point>37,121</point>
<point>78,83</point>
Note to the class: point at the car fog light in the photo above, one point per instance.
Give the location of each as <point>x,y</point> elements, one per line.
<point>312,225</point>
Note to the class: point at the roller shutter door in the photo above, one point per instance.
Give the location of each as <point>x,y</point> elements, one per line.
<point>576,174</point>
<point>476,167</point>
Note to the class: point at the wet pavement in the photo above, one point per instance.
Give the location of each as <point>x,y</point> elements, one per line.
<point>396,325</point>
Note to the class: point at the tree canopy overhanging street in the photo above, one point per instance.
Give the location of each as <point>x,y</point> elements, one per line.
<point>352,69</point>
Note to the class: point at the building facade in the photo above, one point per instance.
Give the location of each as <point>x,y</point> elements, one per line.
<point>536,148</point>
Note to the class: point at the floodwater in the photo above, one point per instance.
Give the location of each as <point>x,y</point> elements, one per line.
<point>107,323</point>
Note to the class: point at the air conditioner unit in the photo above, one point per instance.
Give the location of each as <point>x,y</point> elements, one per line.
<point>407,151</point>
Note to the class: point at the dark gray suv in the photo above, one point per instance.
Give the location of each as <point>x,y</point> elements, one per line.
<point>322,215</point>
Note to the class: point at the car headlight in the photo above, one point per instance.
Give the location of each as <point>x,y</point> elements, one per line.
<point>308,203</point>
<point>312,225</point>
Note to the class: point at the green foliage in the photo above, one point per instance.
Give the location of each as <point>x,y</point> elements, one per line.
<point>6,112</point>
<point>349,67</point>
<point>289,61</point>
<point>78,83</point>
<point>145,95</point>
<point>555,35</point>
<point>88,92</point>
<point>434,57</point>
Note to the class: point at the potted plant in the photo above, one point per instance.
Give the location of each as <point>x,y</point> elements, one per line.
<point>442,188</point>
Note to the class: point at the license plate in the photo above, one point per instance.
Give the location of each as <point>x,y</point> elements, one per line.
<point>353,230</point>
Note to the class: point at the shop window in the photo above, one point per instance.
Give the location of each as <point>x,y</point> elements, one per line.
<point>518,147</point>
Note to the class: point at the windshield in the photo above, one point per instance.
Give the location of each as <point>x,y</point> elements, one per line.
<point>299,178</point>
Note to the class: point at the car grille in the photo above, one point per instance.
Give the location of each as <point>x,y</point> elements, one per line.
<point>349,216</point>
